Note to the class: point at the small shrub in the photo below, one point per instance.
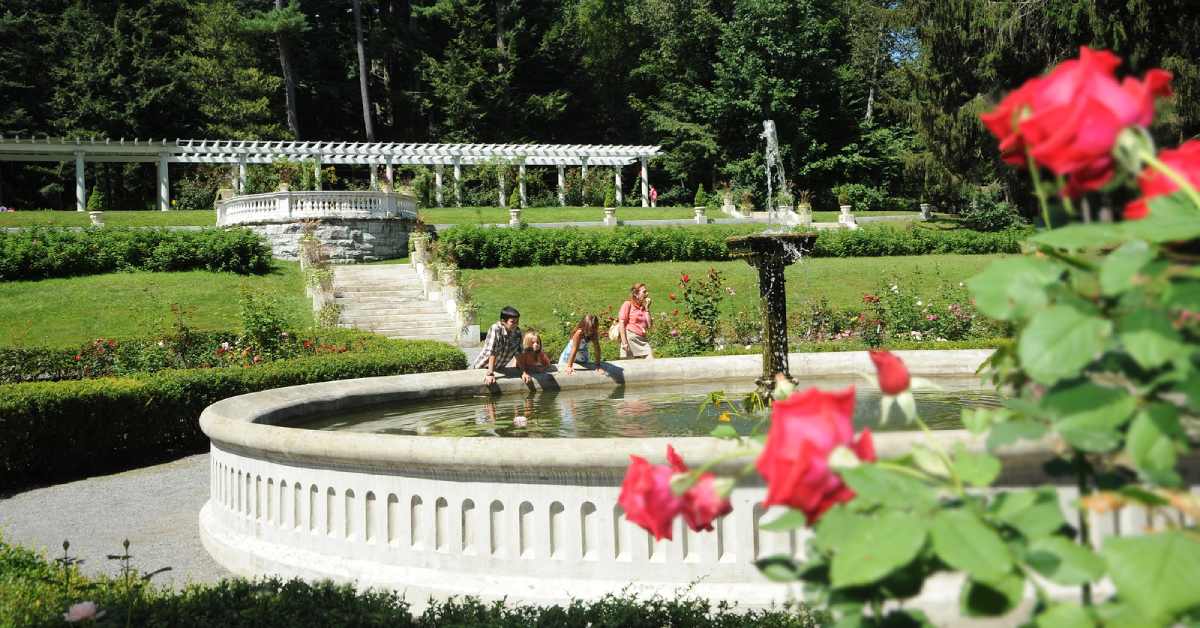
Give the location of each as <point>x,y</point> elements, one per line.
<point>96,201</point>
<point>988,213</point>
<point>701,199</point>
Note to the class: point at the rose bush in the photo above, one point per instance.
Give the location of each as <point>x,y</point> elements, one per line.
<point>1104,376</point>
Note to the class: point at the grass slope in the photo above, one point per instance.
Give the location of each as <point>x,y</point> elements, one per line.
<point>181,218</point>
<point>65,312</point>
<point>537,291</point>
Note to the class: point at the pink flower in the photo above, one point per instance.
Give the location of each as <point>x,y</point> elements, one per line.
<point>647,499</point>
<point>83,611</point>
<point>805,429</point>
<point>931,317</point>
<point>1185,160</point>
<point>701,503</point>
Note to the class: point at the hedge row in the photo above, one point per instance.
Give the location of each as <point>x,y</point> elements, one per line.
<point>56,430</point>
<point>40,253</point>
<point>492,247</point>
<point>32,595</point>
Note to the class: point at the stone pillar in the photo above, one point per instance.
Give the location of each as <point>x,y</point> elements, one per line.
<point>391,174</point>
<point>241,182</point>
<point>926,211</point>
<point>458,182</point>
<point>521,185</point>
<point>503,200</point>
<point>774,306</point>
<point>583,167</point>
<point>164,184</point>
<point>317,173</point>
<point>374,179</point>
<point>645,184</point>
<point>562,185</point>
<point>437,184</point>
<point>514,216</point>
<point>80,184</point>
<point>617,183</point>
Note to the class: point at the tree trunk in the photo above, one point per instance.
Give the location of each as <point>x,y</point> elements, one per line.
<point>289,78</point>
<point>501,46</point>
<point>362,71</point>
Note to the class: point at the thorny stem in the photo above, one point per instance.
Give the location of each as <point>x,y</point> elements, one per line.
<point>957,481</point>
<point>1037,190</point>
<point>1067,203</point>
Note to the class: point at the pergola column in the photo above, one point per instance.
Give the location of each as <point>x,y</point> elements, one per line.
<point>503,201</point>
<point>437,184</point>
<point>80,185</point>
<point>374,179</point>
<point>562,185</point>
<point>617,183</point>
<point>458,182</point>
<point>521,183</point>
<point>645,184</point>
<point>391,173</point>
<point>317,172</point>
<point>164,184</point>
<point>583,167</point>
<point>241,182</point>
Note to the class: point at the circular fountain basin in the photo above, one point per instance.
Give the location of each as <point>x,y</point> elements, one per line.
<point>524,519</point>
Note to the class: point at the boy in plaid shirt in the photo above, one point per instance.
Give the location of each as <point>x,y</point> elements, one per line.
<point>502,344</point>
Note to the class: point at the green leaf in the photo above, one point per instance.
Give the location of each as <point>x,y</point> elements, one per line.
<point>1064,562</point>
<point>723,431</point>
<point>1076,237</point>
<point>1012,288</point>
<point>977,420</point>
<point>1184,295</point>
<point>963,541</point>
<point>1035,513</point>
<point>1089,416</point>
<point>976,469</point>
<point>789,520</point>
<point>1013,431</point>
<point>1157,573</point>
<point>838,526</point>
<point>929,461</point>
<point>1149,338</point>
<point>1155,439</point>
<point>1122,265</point>
<point>1060,341</point>
<point>1068,615</point>
<point>1172,218</point>
<point>874,485</point>
<point>881,545</point>
<point>994,597</point>
<point>1142,496</point>
<point>780,568</point>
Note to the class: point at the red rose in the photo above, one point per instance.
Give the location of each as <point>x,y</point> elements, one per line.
<point>647,499</point>
<point>893,375</point>
<point>701,503</point>
<point>78,357</point>
<point>1069,119</point>
<point>805,428</point>
<point>684,278</point>
<point>1185,160</point>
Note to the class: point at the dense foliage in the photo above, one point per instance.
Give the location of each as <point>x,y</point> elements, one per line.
<point>35,592</point>
<point>40,253</point>
<point>880,94</point>
<point>96,424</point>
<point>491,247</point>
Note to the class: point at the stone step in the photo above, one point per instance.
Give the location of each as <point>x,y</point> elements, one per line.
<point>415,295</point>
<point>420,320</point>
<point>367,304</point>
<point>400,311</point>
<point>407,275</point>
<point>392,329</point>
<point>346,286</point>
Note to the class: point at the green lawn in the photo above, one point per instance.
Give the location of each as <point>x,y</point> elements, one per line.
<point>180,218</point>
<point>65,312</point>
<point>536,291</point>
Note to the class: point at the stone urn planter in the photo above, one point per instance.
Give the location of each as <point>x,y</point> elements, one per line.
<point>97,218</point>
<point>610,216</point>
<point>804,213</point>
<point>846,219</point>
<point>698,215</point>
<point>926,211</point>
<point>514,216</point>
<point>283,187</point>
<point>420,247</point>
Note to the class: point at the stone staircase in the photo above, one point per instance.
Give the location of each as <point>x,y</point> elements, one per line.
<point>389,299</point>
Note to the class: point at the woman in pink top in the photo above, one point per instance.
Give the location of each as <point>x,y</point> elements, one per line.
<point>635,321</point>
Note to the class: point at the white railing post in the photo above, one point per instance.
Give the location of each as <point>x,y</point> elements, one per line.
<point>283,203</point>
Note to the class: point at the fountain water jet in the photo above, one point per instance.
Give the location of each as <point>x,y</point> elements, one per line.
<point>769,253</point>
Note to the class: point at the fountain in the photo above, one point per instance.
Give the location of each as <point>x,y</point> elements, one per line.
<point>769,253</point>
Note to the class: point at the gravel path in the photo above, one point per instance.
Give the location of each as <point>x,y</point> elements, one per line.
<point>156,508</point>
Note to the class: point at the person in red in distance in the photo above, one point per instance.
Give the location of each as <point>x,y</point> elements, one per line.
<point>1184,160</point>
<point>648,501</point>
<point>1069,119</point>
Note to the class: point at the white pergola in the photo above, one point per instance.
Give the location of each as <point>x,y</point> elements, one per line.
<point>386,154</point>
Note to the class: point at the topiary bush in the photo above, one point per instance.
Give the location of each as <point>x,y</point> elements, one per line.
<point>65,429</point>
<point>41,253</point>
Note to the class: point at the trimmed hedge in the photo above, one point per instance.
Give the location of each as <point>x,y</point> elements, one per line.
<point>491,247</point>
<point>56,430</point>
<point>32,594</point>
<point>40,253</point>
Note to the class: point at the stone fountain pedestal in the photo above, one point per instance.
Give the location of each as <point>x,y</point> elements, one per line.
<point>769,253</point>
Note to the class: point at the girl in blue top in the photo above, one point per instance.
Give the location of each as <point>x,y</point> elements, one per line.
<point>587,330</point>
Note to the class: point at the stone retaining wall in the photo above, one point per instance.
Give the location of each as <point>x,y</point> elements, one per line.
<point>347,240</point>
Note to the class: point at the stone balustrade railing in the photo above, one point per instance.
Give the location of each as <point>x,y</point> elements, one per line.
<point>288,206</point>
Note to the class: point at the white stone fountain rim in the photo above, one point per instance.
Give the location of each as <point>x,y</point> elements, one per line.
<point>244,422</point>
